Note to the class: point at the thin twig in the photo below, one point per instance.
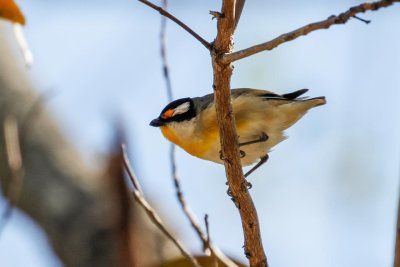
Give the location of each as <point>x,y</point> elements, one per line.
<point>129,169</point>
<point>14,160</point>
<point>163,51</point>
<point>213,256</point>
<point>363,20</point>
<point>228,137</point>
<point>324,24</point>
<point>172,159</point>
<point>177,21</point>
<point>154,217</point>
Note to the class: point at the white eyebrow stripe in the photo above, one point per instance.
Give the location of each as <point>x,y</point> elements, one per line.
<point>181,108</point>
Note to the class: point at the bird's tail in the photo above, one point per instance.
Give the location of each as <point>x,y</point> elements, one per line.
<point>315,101</point>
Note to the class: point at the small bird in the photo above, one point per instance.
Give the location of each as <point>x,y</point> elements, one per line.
<point>261,117</point>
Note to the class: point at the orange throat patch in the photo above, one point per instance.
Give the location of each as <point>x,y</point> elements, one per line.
<point>194,148</point>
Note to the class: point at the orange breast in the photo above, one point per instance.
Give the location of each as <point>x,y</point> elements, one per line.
<point>194,147</point>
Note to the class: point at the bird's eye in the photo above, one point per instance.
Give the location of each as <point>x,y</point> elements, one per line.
<point>167,114</point>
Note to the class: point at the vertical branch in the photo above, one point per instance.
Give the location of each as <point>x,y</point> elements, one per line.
<point>14,160</point>
<point>213,256</point>
<point>163,51</point>
<point>229,142</point>
<point>194,222</point>
<point>115,179</point>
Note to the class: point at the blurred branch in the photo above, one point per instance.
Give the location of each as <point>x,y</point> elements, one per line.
<point>342,18</point>
<point>163,51</point>
<point>130,171</point>
<point>155,218</point>
<point>14,159</point>
<point>229,141</point>
<point>213,256</point>
<point>177,21</point>
<point>172,159</point>
<point>75,206</point>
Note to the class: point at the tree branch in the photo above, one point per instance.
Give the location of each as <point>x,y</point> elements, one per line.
<point>229,142</point>
<point>14,159</point>
<point>154,217</point>
<point>174,172</point>
<point>194,222</point>
<point>213,256</point>
<point>342,18</point>
<point>177,21</point>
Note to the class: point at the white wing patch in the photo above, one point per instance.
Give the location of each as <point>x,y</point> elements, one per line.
<point>181,108</point>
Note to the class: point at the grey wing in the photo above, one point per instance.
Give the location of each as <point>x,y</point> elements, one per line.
<point>268,94</point>
<point>207,100</point>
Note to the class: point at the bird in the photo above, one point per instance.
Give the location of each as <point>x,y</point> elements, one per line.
<point>261,117</point>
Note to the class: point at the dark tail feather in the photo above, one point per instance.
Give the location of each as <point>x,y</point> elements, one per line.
<point>295,94</point>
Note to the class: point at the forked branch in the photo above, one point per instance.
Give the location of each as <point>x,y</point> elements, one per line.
<point>153,216</point>
<point>342,18</point>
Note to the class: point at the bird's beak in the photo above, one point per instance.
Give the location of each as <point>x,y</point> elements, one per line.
<point>157,123</point>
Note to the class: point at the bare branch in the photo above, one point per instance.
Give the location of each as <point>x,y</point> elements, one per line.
<point>177,21</point>
<point>163,52</point>
<point>154,217</point>
<point>238,10</point>
<point>324,24</point>
<point>129,170</point>
<point>194,222</point>
<point>228,137</point>
<point>174,173</point>
<point>14,159</point>
<point>213,256</point>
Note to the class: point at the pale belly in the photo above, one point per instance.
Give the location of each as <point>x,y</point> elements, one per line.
<point>251,153</point>
<point>209,148</point>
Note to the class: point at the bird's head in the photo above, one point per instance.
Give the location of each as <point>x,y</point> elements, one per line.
<point>180,110</point>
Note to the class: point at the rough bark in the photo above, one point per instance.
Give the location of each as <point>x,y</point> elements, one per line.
<point>229,141</point>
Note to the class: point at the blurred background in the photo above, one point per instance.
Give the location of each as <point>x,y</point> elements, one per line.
<point>328,195</point>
